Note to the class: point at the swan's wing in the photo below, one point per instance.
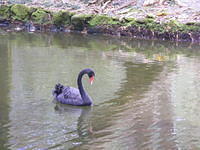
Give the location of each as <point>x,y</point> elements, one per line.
<point>71,92</point>
<point>70,96</point>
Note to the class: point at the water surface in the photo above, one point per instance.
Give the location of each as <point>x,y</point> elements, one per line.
<point>145,94</point>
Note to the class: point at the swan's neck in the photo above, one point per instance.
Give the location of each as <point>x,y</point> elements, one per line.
<point>86,99</point>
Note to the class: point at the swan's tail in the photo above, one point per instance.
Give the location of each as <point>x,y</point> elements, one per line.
<point>58,89</point>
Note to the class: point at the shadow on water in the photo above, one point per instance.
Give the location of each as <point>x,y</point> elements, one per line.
<point>137,114</point>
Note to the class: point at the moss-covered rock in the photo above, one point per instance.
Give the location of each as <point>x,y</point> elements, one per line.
<point>142,28</point>
<point>5,12</point>
<point>20,12</point>
<point>175,26</point>
<point>103,20</point>
<point>62,18</point>
<point>41,16</point>
<point>128,21</point>
<point>80,21</point>
<point>145,23</point>
<point>194,27</point>
<point>151,24</point>
<point>32,10</point>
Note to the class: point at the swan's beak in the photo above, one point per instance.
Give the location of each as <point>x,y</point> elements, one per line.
<point>91,80</point>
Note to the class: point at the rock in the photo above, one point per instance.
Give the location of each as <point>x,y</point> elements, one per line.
<point>62,18</point>
<point>19,28</point>
<point>20,12</point>
<point>30,27</point>
<point>5,12</point>
<point>41,16</point>
<point>103,20</point>
<point>80,21</point>
<point>4,23</point>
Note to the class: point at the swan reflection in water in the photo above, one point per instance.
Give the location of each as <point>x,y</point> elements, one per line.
<point>84,127</point>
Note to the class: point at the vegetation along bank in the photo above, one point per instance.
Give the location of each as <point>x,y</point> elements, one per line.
<point>18,17</point>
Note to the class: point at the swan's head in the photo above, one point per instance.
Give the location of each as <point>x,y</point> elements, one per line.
<point>91,75</point>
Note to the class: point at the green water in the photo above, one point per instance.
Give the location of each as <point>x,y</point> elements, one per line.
<point>145,94</point>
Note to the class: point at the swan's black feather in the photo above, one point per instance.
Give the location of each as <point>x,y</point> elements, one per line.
<point>71,95</point>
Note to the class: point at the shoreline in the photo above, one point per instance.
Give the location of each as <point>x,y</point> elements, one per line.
<point>19,17</point>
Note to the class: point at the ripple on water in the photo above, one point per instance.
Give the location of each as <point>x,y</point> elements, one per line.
<point>146,93</point>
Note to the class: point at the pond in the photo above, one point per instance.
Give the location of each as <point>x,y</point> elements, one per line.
<point>146,94</point>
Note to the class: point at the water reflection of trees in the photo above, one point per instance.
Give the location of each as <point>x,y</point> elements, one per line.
<point>4,92</point>
<point>139,77</point>
<point>29,83</point>
<point>105,43</point>
<point>117,119</point>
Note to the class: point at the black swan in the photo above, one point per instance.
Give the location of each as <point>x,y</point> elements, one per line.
<point>74,96</point>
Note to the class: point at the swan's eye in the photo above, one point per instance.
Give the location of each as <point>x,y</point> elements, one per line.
<point>91,79</point>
